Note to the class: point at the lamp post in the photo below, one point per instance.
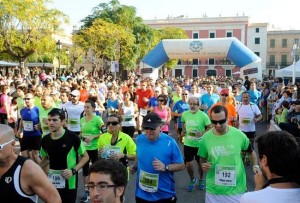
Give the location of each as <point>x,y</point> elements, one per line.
<point>295,52</point>
<point>67,53</point>
<point>58,46</point>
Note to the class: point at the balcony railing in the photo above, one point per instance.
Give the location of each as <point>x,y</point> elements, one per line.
<point>276,64</point>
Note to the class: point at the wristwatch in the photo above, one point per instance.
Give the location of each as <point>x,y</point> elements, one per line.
<point>73,171</point>
<point>166,168</point>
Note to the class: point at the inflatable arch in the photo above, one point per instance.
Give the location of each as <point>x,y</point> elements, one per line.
<point>214,48</point>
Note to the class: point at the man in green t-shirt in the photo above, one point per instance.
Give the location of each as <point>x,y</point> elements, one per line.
<point>220,152</point>
<point>194,124</point>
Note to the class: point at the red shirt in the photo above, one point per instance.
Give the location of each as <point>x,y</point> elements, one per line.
<point>84,95</point>
<point>140,93</point>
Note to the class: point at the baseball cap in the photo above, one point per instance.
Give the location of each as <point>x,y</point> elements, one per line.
<point>75,93</point>
<point>157,89</point>
<point>151,120</point>
<point>224,91</point>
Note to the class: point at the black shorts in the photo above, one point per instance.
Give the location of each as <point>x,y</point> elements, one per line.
<point>175,119</point>
<point>250,135</point>
<point>68,196</point>
<point>31,143</point>
<point>179,130</point>
<point>190,153</point>
<point>93,157</point>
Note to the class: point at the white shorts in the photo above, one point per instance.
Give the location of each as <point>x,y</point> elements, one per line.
<point>211,198</point>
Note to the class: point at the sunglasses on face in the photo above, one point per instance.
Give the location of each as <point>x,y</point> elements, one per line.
<point>224,95</point>
<point>4,144</point>
<point>112,122</point>
<point>185,94</point>
<point>161,100</point>
<point>27,99</point>
<point>148,128</point>
<point>73,96</point>
<point>219,121</point>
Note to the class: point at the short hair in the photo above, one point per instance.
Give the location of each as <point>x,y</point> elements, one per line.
<point>194,98</point>
<point>219,109</point>
<point>283,153</point>
<point>117,171</point>
<point>57,112</point>
<point>114,115</point>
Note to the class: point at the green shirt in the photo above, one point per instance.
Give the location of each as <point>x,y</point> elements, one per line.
<point>124,142</point>
<point>176,98</point>
<point>44,120</point>
<point>91,128</point>
<point>224,154</point>
<point>283,116</point>
<point>20,105</point>
<point>194,123</point>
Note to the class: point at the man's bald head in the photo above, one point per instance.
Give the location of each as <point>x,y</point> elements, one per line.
<point>6,133</point>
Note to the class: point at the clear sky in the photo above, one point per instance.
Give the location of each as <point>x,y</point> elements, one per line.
<point>284,14</point>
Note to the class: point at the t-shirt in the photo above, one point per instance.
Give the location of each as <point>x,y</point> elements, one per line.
<point>30,118</point>
<point>140,93</point>
<point>161,185</point>
<point>73,113</point>
<point>227,174</point>
<point>194,122</point>
<point>84,95</point>
<point>180,107</point>
<point>63,154</point>
<point>91,128</point>
<point>209,100</point>
<point>246,115</point>
<point>44,120</point>
<point>152,102</point>
<point>272,195</point>
<point>124,142</point>
<point>4,99</point>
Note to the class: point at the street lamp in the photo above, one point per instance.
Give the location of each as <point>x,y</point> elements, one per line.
<point>67,53</point>
<point>58,46</point>
<point>295,53</point>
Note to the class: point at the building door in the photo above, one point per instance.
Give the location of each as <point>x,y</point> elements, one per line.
<point>178,73</point>
<point>195,73</point>
<point>211,73</point>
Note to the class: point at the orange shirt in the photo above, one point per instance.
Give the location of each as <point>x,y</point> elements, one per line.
<point>231,99</point>
<point>231,111</point>
<point>140,93</point>
<point>84,95</point>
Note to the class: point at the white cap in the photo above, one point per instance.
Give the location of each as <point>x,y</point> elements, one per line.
<point>75,93</point>
<point>157,89</point>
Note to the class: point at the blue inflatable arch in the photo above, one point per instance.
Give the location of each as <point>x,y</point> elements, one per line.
<point>216,48</point>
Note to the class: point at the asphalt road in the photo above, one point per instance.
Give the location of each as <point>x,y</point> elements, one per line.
<point>181,179</point>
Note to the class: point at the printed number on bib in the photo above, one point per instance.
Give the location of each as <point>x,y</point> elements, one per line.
<point>28,125</point>
<point>225,175</point>
<point>246,121</point>
<point>148,181</point>
<point>56,178</point>
<point>111,150</point>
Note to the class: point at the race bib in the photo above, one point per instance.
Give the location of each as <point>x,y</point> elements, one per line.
<point>73,121</point>
<point>85,143</point>
<point>28,125</point>
<point>191,135</point>
<point>246,121</point>
<point>56,178</point>
<point>148,181</point>
<point>143,112</point>
<point>225,175</point>
<point>128,118</point>
<point>111,150</point>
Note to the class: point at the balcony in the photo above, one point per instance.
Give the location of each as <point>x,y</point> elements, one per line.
<point>276,64</point>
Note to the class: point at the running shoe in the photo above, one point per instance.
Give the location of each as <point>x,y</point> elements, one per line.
<point>85,197</point>
<point>192,185</point>
<point>201,184</point>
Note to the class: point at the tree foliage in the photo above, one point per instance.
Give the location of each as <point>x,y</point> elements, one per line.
<point>27,27</point>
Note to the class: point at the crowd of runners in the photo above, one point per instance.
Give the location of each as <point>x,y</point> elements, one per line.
<point>67,123</point>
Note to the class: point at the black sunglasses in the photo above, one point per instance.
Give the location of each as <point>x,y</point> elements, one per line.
<point>27,98</point>
<point>148,128</point>
<point>112,122</point>
<point>224,95</point>
<point>161,100</point>
<point>220,121</point>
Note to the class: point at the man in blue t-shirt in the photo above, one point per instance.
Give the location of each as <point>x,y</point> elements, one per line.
<point>209,99</point>
<point>158,157</point>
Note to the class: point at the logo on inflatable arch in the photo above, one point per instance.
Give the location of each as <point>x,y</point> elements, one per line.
<point>196,46</point>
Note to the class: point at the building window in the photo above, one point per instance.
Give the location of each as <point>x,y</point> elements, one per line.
<point>211,72</point>
<point>257,30</point>
<point>284,60</point>
<point>179,62</point>
<point>195,35</point>
<point>195,62</point>
<point>228,73</point>
<point>228,34</point>
<point>272,43</point>
<point>296,41</point>
<point>195,73</point>
<point>284,43</point>
<point>211,61</point>
<point>257,53</point>
<point>272,60</point>
<point>257,40</point>
<point>212,35</point>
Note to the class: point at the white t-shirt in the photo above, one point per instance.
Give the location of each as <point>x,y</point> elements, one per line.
<point>73,112</point>
<point>246,115</point>
<point>272,195</point>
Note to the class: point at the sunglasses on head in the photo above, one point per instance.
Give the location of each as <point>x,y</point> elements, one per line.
<point>219,121</point>
<point>112,122</point>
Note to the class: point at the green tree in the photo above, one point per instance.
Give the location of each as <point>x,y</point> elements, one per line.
<point>27,27</point>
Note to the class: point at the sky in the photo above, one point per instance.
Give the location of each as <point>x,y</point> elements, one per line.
<point>282,14</point>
